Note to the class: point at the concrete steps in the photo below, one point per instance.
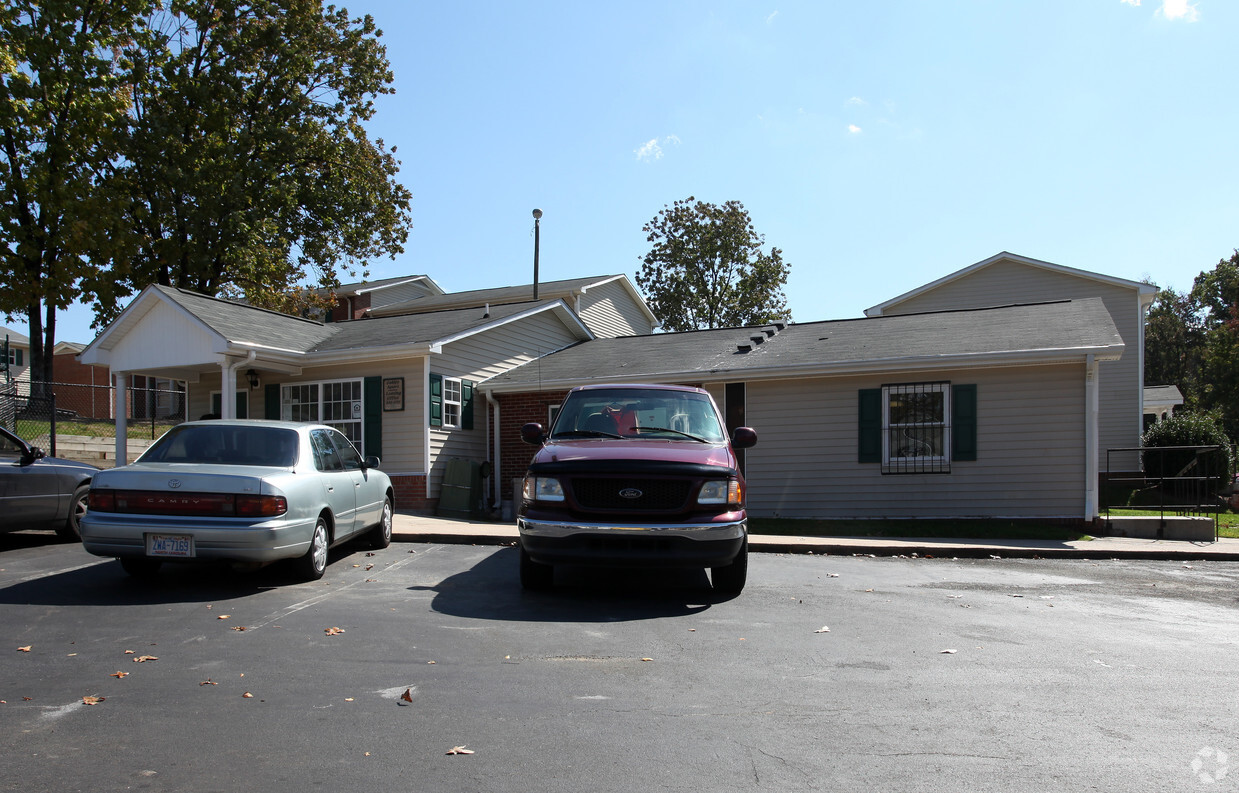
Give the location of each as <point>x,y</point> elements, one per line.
<point>97,451</point>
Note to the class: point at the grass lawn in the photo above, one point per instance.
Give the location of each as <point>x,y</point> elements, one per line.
<point>968,529</point>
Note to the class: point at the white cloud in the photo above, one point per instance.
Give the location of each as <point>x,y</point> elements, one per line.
<point>1131,2</point>
<point>853,129</point>
<point>770,18</point>
<point>653,150</point>
<point>856,100</point>
<point>1179,9</point>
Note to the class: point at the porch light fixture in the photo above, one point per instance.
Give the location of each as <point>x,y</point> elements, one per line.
<point>252,376</point>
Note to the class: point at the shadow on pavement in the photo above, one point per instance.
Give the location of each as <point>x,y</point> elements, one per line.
<point>491,590</point>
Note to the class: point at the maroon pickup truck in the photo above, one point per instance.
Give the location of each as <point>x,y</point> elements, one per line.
<point>635,476</point>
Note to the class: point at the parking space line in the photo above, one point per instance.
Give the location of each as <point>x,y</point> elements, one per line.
<point>294,608</point>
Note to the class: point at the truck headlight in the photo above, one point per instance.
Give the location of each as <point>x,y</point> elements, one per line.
<point>542,488</point>
<point>721,491</point>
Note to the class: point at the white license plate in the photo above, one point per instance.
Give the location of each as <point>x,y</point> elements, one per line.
<point>170,545</point>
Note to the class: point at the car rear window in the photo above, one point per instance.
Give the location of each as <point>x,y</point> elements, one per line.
<point>209,443</point>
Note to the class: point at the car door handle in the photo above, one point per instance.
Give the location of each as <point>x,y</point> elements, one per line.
<point>330,489</point>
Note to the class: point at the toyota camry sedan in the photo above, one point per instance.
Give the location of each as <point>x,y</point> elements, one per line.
<point>239,491</point>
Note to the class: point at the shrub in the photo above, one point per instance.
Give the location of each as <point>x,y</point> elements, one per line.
<point>1189,429</point>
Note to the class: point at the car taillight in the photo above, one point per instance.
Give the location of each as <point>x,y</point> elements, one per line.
<point>102,500</point>
<point>261,506</point>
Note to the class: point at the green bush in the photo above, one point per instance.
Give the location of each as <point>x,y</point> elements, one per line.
<point>1189,429</point>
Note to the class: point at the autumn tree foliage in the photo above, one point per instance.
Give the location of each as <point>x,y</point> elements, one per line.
<point>707,269</point>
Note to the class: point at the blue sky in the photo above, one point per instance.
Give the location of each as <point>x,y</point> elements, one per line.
<point>880,145</point>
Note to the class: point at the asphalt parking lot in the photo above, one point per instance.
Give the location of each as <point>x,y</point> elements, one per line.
<point>828,672</point>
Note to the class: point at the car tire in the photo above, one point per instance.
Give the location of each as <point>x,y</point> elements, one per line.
<point>141,567</point>
<point>730,579</point>
<point>535,576</point>
<point>312,566</point>
<point>380,535</point>
<point>71,530</point>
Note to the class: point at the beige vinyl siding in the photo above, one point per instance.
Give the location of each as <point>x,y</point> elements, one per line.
<point>609,310</point>
<point>477,358</point>
<point>1120,421</point>
<point>805,463</point>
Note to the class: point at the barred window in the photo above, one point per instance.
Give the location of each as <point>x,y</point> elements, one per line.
<point>916,428</point>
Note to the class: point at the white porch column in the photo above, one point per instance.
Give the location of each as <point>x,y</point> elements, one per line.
<point>122,418</point>
<point>1092,404</point>
<point>227,390</point>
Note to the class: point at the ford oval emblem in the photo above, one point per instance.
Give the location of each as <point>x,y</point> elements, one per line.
<point>630,492</point>
<point>174,483</point>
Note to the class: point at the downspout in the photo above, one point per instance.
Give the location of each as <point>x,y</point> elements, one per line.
<point>1091,437</point>
<point>496,467</point>
<point>228,390</point>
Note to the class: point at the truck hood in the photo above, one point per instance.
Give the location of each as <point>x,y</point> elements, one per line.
<point>661,450</point>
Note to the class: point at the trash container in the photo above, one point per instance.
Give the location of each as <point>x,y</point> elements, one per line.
<point>460,495</point>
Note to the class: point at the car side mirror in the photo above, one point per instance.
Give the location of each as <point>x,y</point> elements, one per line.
<point>35,453</point>
<point>533,434</point>
<point>743,438</point>
<point>370,462</point>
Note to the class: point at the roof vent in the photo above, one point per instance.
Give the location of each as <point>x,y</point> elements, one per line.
<point>744,347</point>
<point>487,314</point>
<point>757,338</point>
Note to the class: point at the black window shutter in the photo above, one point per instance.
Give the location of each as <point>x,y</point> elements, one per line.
<point>271,400</point>
<point>19,352</point>
<point>869,431</point>
<point>964,422</point>
<point>436,400</point>
<point>466,404</point>
<point>372,394</point>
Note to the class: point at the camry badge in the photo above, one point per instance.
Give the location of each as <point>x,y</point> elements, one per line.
<point>174,483</point>
<point>630,492</point>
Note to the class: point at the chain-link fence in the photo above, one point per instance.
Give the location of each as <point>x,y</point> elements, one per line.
<point>78,421</point>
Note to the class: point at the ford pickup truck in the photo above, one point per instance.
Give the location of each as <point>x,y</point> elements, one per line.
<point>635,476</point>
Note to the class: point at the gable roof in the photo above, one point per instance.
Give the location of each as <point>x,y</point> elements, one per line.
<point>1145,291</point>
<point>566,288</point>
<point>362,287</point>
<point>15,338</point>
<point>1007,335</point>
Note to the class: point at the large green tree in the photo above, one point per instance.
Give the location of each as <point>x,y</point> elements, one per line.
<point>248,170</point>
<point>64,99</point>
<point>1172,342</point>
<point>1215,295</point>
<point>707,269</point>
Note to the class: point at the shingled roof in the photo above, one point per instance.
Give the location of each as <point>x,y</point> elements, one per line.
<point>1032,333</point>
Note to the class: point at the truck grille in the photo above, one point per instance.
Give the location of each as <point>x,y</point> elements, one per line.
<point>661,495</point>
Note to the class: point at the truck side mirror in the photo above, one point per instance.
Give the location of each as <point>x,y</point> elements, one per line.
<point>743,438</point>
<point>533,434</point>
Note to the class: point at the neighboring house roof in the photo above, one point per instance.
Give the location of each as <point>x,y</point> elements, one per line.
<point>513,294</point>
<point>1017,334</point>
<point>14,337</point>
<point>361,287</point>
<point>1146,291</point>
<point>1162,396</point>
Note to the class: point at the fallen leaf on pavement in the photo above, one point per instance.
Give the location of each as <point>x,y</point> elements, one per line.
<point>247,695</point>
<point>369,567</point>
<point>141,659</point>
<point>407,696</point>
<point>947,652</point>
<point>333,631</point>
<point>647,659</point>
<point>119,675</point>
<point>822,629</point>
<point>208,682</point>
<point>459,750</point>
<point>223,616</point>
<point>92,700</point>
<point>128,652</point>
<point>25,649</point>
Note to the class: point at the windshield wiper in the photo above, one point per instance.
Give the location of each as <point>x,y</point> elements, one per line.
<point>586,433</point>
<point>668,429</point>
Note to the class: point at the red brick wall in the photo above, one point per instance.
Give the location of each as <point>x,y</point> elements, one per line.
<point>66,368</point>
<point>514,411</point>
<point>411,494</point>
<point>361,304</point>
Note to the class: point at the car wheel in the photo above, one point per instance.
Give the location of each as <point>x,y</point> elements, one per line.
<point>534,575</point>
<point>380,535</point>
<point>729,579</point>
<point>140,567</point>
<point>71,529</point>
<point>312,566</point>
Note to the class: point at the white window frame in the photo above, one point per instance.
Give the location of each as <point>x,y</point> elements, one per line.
<point>450,405</point>
<point>353,426</point>
<point>928,463</point>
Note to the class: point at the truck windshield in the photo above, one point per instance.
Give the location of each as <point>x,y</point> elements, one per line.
<point>638,413</point>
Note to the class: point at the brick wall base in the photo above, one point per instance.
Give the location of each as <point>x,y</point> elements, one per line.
<point>411,493</point>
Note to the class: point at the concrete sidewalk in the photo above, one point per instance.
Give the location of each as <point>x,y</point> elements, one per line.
<point>428,528</point>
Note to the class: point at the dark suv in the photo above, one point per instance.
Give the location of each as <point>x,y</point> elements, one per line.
<point>638,476</point>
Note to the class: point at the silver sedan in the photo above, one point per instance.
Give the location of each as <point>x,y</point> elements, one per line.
<point>241,491</point>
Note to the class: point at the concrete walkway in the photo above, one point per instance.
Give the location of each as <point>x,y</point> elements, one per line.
<point>428,528</point>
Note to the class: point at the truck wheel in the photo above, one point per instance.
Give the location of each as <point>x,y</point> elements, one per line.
<point>729,579</point>
<point>535,576</point>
